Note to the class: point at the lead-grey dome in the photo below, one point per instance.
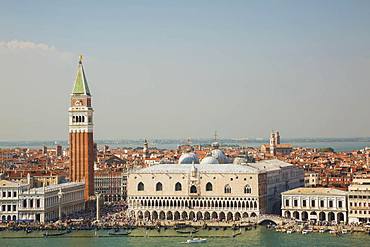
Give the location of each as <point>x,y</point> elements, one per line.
<point>220,156</point>
<point>239,161</point>
<point>189,158</point>
<point>209,160</point>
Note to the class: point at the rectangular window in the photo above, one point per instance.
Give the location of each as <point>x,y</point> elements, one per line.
<point>313,204</point>
<point>31,203</point>
<point>15,194</point>
<point>340,204</point>
<point>4,194</point>
<point>295,203</point>
<point>9,208</point>
<point>37,203</point>
<point>14,208</point>
<point>321,203</point>
<point>330,204</point>
<point>3,208</point>
<point>304,203</point>
<point>9,194</point>
<point>287,202</point>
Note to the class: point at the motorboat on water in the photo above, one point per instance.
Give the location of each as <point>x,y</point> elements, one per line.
<point>305,232</point>
<point>56,234</point>
<point>196,241</point>
<point>187,231</point>
<point>117,232</point>
<point>181,226</point>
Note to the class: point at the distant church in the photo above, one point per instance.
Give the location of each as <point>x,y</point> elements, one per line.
<point>275,147</point>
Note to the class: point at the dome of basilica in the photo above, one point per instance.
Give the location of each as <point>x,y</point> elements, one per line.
<point>209,160</point>
<point>189,158</point>
<point>239,161</point>
<point>220,156</point>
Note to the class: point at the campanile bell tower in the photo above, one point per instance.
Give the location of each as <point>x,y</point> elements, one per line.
<point>81,141</point>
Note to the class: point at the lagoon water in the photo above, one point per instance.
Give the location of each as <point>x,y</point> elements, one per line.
<point>339,144</point>
<point>256,237</point>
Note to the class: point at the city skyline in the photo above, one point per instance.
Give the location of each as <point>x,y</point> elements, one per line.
<point>179,70</point>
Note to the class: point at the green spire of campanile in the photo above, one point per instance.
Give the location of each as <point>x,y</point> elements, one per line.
<point>80,87</point>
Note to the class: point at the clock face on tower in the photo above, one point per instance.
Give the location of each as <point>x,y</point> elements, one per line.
<point>77,103</point>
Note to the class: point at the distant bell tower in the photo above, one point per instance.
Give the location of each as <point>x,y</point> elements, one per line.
<point>146,149</point>
<point>273,143</point>
<point>81,141</point>
<point>277,137</point>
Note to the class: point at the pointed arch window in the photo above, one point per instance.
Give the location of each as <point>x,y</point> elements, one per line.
<point>247,189</point>
<point>178,186</point>
<point>209,187</point>
<point>140,187</point>
<point>159,186</point>
<point>227,189</point>
<point>193,189</point>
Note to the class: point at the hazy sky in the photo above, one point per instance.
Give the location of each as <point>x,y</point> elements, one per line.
<point>178,69</point>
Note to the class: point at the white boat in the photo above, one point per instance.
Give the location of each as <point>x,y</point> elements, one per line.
<point>322,230</point>
<point>305,231</point>
<point>290,231</point>
<point>333,232</point>
<point>344,231</point>
<point>196,241</point>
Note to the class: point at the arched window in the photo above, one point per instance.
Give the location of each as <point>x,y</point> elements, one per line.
<point>247,189</point>
<point>227,189</point>
<point>158,186</point>
<point>83,119</point>
<point>193,189</point>
<point>140,187</point>
<point>178,187</point>
<point>209,187</point>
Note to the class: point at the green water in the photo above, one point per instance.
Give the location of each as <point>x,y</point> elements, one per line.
<point>257,237</point>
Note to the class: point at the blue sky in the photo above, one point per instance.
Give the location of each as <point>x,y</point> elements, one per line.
<point>173,69</point>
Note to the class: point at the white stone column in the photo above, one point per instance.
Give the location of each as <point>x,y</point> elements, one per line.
<point>97,207</point>
<point>60,195</point>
